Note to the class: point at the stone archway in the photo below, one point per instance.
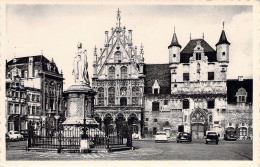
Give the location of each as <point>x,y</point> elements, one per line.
<point>120,120</point>
<point>108,122</point>
<point>134,123</point>
<point>198,123</point>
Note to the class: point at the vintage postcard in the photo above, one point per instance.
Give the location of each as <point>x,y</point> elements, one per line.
<point>172,83</point>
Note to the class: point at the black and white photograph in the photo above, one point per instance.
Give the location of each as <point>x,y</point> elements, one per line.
<point>129,82</point>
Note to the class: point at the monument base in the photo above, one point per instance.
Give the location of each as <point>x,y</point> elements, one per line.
<point>84,146</point>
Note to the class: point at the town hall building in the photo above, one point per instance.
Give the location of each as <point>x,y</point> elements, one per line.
<point>191,93</point>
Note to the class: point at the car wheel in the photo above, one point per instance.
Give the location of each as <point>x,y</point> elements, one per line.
<point>206,142</point>
<point>216,142</point>
<point>177,141</point>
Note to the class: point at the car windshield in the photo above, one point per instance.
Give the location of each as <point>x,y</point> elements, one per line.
<point>212,133</point>
<point>161,133</point>
<point>16,132</point>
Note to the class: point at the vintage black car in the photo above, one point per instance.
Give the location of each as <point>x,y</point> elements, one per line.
<point>230,134</point>
<point>183,137</point>
<point>211,136</point>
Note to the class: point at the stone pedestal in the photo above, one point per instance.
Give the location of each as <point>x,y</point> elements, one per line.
<point>84,146</point>
<point>80,101</point>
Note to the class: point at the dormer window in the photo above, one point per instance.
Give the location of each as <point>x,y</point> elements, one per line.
<point>198,56</point>
<point>156,87</point>
<point>223,53</point>
<point>174,55</point>
<point>241,95</point>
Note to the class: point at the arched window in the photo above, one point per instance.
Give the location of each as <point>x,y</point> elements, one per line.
<point>210,118</point>
<point>117,57</point>
<point>123,72</point>
<point>111,96</point>
<point>101,96</point>
<point>241,95</point>
<point>111,73</point>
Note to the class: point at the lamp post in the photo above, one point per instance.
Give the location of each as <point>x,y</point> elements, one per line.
<point>57,117</point>
<point>43,119</point>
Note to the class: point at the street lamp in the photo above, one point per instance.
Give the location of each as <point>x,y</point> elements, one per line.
<point>43,118</point>
<point>57,117</point>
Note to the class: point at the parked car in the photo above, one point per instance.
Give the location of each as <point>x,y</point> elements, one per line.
<point>183,137</point>
<point>15,135</point>
<point>161,137</point>
<point>211,136</point>
<point>230,135</point>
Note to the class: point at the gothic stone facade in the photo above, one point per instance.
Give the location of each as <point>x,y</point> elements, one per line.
<point>191,94</point>
<point>118,80</point>
<point>33,92</point>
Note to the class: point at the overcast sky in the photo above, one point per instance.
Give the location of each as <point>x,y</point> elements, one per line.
<point>56,29</point>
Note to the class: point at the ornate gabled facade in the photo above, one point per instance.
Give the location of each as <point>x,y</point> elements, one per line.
<point>118,80</point>
<point>192,94</point>
<point>41,98</point>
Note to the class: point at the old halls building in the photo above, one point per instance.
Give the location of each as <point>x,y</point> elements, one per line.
<point>34,89</point>
<point>118,78</point>
<point>192,94</point>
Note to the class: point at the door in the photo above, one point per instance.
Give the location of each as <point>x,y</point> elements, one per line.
<point>197,131</point>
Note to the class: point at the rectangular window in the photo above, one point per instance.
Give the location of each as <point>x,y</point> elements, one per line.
<point>156,91</point>
<point>185,104</point>
<point>211,104</point>
<point>216,122</point>
<point>198,56</point>
<point>186,76</point>
<point>174,55</point>
<point>155,106</point>
<point>145,130</point>
<point>155,120</point>
<point>146,119</point>
<point>223,53</point>
<point>165,102</point>
<point>210,75</point>
<point>154,130</point>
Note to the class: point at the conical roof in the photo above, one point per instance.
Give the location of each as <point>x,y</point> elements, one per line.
<point>174,41</point>
<point>223,39</point>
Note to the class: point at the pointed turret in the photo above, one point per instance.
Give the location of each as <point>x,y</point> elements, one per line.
<point>223,38</point>
<point>174,40</point>
<point>174,50</point>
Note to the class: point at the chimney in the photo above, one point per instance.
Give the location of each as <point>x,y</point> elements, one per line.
<point>240,78</point>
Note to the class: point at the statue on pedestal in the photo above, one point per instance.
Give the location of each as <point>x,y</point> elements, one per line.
<point>80,66</point>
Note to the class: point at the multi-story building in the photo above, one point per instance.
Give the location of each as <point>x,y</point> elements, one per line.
<point>118,79</point>
<point>34,92</point>
<point>190,93</point>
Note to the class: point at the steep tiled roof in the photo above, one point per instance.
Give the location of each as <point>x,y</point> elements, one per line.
<point>223,39</point>
<point>21,60</point>
<point>188,50</point>
<point>159,72</point>
<point>233,85</point>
